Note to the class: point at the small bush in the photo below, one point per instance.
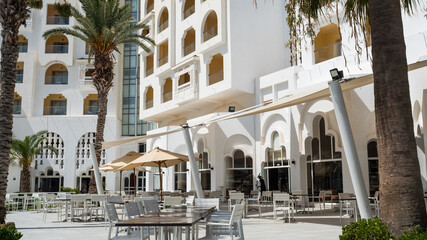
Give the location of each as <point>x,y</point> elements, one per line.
<point>68,189</point>
<point>416,234</point>
<point>372,229</point>
<point>9,232</point>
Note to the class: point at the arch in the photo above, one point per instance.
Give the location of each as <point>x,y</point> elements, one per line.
<point>189,41</point>
<point>188,9</point>
<point>163,19</point>
<point>216,69</point>
<point>238,142</point>
<point>210,26</point>
<point>274,122</point>
<point>55,104</point>
<point>148,98</point>
<point>48,157</point>
<point>56,73</point>
<point>239,171</point>
<point>83,155</point>
<point>327,44</point>
<point>57,44</point>
<point>167,90</point>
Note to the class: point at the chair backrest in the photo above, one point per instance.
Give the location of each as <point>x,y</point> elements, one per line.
<point>78,198</point>
<point>172,201</point>
<point>237,213</point>
<point>281,199</point>
<point>296,191</point>
<point>189,200</point>
<point>376,195</point>
<point>215,194</point>
<point>344,195</point>
<point>49,197</point>
<point>98,198</point>
<point>62,195</point>
<point>111,213</point>
<point>132,209</point>
<point>114,199</point>
<point>237,196</point>
<point>207,202</point>
<point>140,199</point>
<point>150,206</point>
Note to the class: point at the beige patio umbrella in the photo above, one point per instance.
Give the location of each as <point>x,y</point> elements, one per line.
<point>158,158</point>
<point>114,166</point>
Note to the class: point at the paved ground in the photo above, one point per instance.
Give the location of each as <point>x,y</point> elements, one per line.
<point>320,225</point>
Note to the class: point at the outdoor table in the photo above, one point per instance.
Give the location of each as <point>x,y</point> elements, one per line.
<point>302,195</point>
<point>171,217</point>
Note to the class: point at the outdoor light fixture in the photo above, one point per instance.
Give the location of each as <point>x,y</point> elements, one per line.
<point>231,108</point>
<point>336,75</point>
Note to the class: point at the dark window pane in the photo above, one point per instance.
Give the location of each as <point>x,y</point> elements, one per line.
<point>239,159</point>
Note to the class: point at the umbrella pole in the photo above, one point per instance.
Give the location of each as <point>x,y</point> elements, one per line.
<point>120,183</point>
<point>161,183</point>
<point>134,183</point>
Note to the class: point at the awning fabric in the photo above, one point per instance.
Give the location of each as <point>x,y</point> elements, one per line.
<point>119,142</point>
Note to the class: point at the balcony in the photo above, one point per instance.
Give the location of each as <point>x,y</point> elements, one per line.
<point>56,80</point>
<point>189,48</point>
<point>57,20</point>
<point>210,33</point>
<point>148,104</point>
<point>55,110</point>
<point>163,60</point>
<point>328,52</point>
<point>188,12</point>
<point>57,48</point>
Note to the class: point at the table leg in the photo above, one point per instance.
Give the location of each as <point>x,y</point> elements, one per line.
<point>187,233</point>
<point>193,236</point>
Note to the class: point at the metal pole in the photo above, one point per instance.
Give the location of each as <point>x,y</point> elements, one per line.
<point>96,170</point>
<point>194,168</point>
<point>350,149</point>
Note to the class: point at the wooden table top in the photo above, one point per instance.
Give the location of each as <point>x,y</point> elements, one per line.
<point>169,217</point>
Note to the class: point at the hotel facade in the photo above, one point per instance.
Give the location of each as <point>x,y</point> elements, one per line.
<point>212,57</point>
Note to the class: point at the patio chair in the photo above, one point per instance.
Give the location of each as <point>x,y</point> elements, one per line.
<point>49,205</point>
<point>115,200</point>
<point>97,203</point>
<point>15,201</point>
<point>232,226</point>
<point>375,203</point>
<point>234,198</point>
<point>282,202</point>
<point>113,218</point>
<point>150,206</point>
<point>29,201</point>
<point>78,208</point>
<point>347,205</point>
<point>189,201</point>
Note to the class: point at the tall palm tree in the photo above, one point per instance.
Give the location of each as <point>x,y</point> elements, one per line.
<point>24,151</point>
<point>104,25</point>
<point>13,14</point>
<point>401,193</point>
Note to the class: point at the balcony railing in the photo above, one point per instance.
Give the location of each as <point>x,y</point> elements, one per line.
<point>19,76</point>
<point>150,8</point>
<point>210,33</point>
<point>56,80</point>
<point>148,104</point>
<point>328,52</point>
<point>167,96</point>
<point>189,11</point>
<point>163,60</point>
<point>163,26</point>
<point>148,72</point>
<point>91,110</point>
<point>55,110</point>
<point>16,109</point>
<point>216,77</point>
<point>23,47</point>
<point>56,48</point>
<point>189,48</point>
<point>57,20</point>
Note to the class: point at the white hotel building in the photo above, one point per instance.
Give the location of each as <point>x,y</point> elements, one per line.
<point>210,56</point>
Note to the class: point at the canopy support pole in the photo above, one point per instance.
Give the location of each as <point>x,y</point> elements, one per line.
<point>134,183</point>
<point>350,149</point>
<point>120,183</point>
<point>194,168</point>
<point>96,170</point>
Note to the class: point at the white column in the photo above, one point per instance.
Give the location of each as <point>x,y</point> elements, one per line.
<point>194,168</point>
<point>350,150</point>
<point>96,170</point>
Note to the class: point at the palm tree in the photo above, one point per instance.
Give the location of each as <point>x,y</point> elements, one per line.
<point>13,14</point>
<point>24,151</point>
<point>104,26</point>
<point>401,193</point>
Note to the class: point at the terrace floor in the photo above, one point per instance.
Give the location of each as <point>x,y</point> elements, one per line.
<point>318,225</point>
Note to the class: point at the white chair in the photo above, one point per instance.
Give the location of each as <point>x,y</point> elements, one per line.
<point>375,203</point>
<point>347,205</point>
<point>96,207</point>
<point>235,198</point>
<point>78,207</point>
<point>282,202</point>
<point>29,201</point>
<point>113,218</point>
<point>49,205</point>
<point>233,226</point>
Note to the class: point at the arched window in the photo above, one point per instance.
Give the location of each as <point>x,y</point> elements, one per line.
<point>163,53</point>
<point>189,41</point>
<point>167,90</point>
<point>374,180</point>
<point>239,172</point>
<point>216,69</point>
<point>149,6</point>
<point>204,166</point>
<point>164,20</point>
<point>55,104</point>
<point>183,79</point>
<point>149,65</point>
<point>276,168</point>
<point>188,8</point>
<point>50,181</point>
<point>141,181</point>
<point>48,157</point>
<point>57,44</point>
<point>83,156</point>
<point>181,177</point>
<point>327,44</point>
<point>210,29</point>
<point>56,74</point>
<point>149,98</point>
<point>324,167</point>
<point>90,105</point>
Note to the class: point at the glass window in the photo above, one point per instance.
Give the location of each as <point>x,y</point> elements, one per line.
<point>181,177</point>
<point>239,175</point>
<point>239,159</point>
<point>17,106</point>
<point>374,180</point>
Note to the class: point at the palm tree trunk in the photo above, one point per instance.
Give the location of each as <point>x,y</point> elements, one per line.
<point>25,185</point>
<point>103,81</point>
<point>401,193</point>
<point>13,13</point>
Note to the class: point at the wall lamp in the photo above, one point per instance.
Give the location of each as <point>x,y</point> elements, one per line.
<point>231,108</point>
<point>336,75</point>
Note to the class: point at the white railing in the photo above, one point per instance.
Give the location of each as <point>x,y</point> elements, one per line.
<point>189,48</point>
<point>188,11</point>
<point>167,96</point>
<point>56,49</point>
<point>163,60</point>
<point>328,52</point>
<point>210,33</point>
<point>163,26</point>
<point>148,104</point>
<point>148,72</point>
<point>216,77</point>
<point>57,20</point>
